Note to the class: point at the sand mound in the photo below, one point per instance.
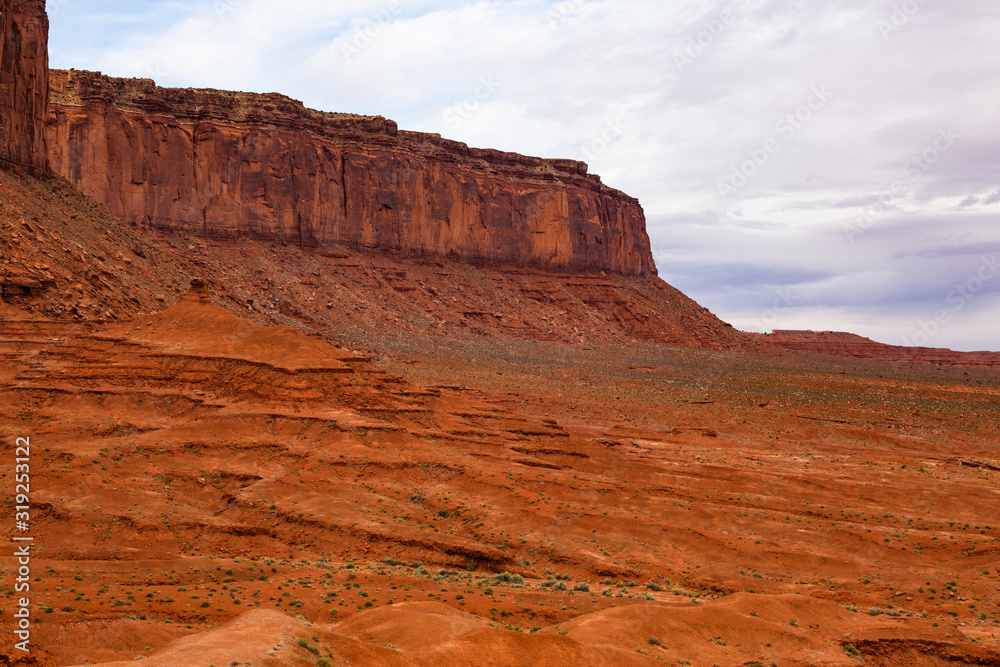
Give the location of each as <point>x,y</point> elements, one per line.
<point>412,626</point>
<point>267,638</point>
<point>194,326</point>
<point>743,629</point>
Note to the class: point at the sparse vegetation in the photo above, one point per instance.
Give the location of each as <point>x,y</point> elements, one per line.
<point>473,478</point>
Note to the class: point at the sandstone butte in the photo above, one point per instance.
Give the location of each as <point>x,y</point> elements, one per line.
<point>230,164</point>
<point>24,94</point>
<point>533,473</point>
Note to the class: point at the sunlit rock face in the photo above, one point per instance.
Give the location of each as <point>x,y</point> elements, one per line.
<point>24,84</point>
<point>228,164</point>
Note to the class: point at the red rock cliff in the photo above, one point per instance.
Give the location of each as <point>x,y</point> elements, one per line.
<point>228,164</point>
<point>24,88</point>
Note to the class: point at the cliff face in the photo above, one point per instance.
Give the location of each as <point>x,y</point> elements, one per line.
<point>24,88</point>
<point>226,164</point>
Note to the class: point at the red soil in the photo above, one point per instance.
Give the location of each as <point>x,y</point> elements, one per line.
<point>191,466</point>
<point>210,488</point>
<point>440,463</point>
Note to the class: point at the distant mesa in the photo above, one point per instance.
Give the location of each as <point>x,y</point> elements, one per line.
<point>851,345</point>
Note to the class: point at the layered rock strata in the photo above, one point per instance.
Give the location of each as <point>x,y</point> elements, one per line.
<point>851,345</point>
<point>229,164</point>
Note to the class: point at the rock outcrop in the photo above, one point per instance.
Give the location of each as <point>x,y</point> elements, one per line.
<point>227,164</point>
<point>24,88</point>
<point>851,345</point>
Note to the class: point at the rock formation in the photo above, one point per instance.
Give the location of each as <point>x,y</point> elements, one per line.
<point>227,164</point>
<point>851,345</point>
<point>24,89</point>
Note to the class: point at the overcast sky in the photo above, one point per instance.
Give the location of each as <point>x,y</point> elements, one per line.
<point>832,165</point>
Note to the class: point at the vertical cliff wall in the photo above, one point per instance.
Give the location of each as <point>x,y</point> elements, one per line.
<point>24,83</point>
<point>227,164</point>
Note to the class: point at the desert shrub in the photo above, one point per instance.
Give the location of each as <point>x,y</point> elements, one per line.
<point>304,643</point>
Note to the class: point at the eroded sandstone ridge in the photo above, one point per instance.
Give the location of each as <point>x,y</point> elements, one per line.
<point>228,164</point>
<point>24,90</point>
<point>851,345</point>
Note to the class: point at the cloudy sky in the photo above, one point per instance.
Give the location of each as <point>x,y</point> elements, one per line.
<point>824,164</point>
